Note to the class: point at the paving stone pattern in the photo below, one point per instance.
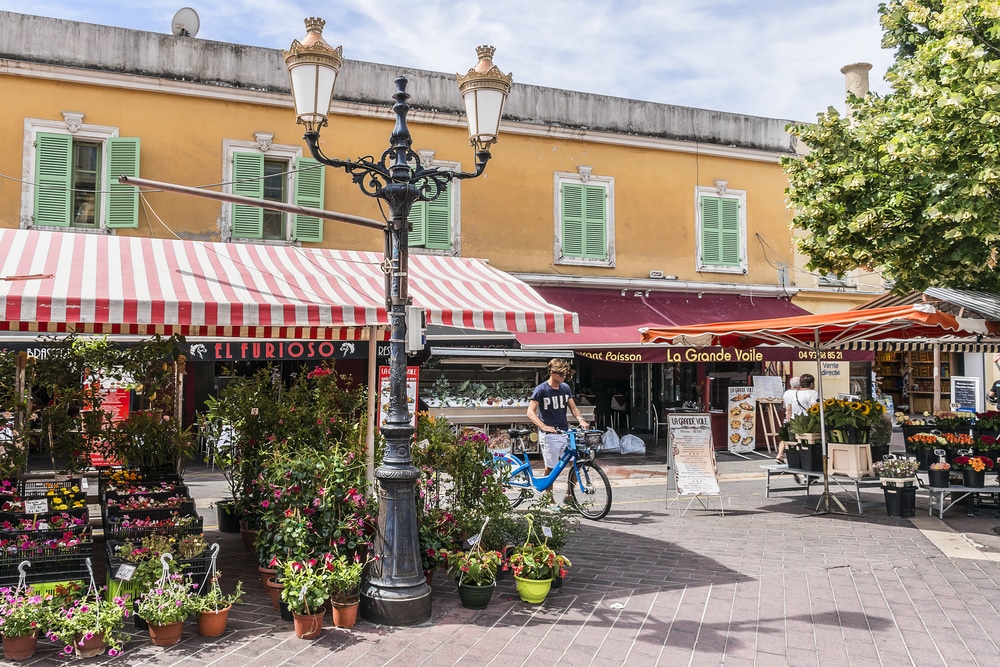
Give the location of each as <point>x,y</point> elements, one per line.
<point>770,583</point>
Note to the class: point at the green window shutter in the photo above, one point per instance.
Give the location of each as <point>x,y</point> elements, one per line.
<point>418,221</point>
<point>53,179</point>
<point>123,200</point>
<point>720,231</point>
<point>438,221</point>
<point>584,221</point>
<point>248,181</point>
<point>309,182</point>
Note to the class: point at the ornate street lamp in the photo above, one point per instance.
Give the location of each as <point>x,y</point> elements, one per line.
<point>396,592</point>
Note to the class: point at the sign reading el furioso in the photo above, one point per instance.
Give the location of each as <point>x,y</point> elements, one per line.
<point>265,350</point>
<point>659,354</point>
<point>692,453</point>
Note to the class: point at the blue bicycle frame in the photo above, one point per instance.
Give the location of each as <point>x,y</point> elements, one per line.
<point>541,484</point>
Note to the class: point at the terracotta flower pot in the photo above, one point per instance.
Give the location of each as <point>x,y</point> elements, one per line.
<point>274,588</point>
<point>308,626</point>
<point>213,623</point>
<point>345,614</point>
<point>249,536</point>
<point>20,648</point>
<point>265,574</point>
<point>166,635</point>
<point>89,648</point>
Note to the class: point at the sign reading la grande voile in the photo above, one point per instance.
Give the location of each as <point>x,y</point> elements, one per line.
<point>695,355</point>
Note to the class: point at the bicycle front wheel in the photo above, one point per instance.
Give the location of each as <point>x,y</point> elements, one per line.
<point>594,501</point>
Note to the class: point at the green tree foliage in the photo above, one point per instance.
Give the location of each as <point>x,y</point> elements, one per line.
<point>909,184</point>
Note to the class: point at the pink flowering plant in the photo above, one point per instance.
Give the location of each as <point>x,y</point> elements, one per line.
<point>344,577</point>
<point>22,611</point>
<point>307,585</point>
<point>168,601</point>
<point>79,620</point>
<point>476,567</point>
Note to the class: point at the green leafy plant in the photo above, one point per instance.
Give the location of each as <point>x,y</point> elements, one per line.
<point>78,620</point>
<point>536,559</point>
<point>306,585</point>
<point>169,601</point>
<point>213,599</point>
<point>476,567</point>
<point>989,420</point>
<point>344,577</point>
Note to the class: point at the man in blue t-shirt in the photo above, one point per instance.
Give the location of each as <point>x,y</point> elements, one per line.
<point>547,411</point>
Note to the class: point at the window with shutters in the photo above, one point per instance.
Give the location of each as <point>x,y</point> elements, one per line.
<point>721,230</point>
<point>71,174</point>
<point>280,174</point>
<point>584,214</point>
<point>435,224</point>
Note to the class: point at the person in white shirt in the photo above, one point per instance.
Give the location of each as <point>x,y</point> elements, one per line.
<point>786,398</point>
<point>797,401</point>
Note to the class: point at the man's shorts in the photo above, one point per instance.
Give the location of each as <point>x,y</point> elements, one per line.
<point>552,445</point>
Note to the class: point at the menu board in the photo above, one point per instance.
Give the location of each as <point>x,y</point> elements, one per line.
<point>692,453</point>
<point>770,387</point>
<point>412,375</point>
<point>965,394</point>
<point>741,419</point>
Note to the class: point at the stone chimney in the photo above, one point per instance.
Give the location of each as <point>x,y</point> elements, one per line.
<point>855,80</point>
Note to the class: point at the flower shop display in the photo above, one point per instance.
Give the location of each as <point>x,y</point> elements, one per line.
<point>213,606</point>
<point>954,422</point>
<point>89,625</point>
<point>974,469</point>
<point>165,606</point>
<point>475,573</point>
<point>188,554</point>
<point>922,446</point>
<point>22,615</point>
<point>939,474</point>
<point>534,564</point>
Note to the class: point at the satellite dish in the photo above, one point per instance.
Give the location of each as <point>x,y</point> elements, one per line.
<point>185,23</point>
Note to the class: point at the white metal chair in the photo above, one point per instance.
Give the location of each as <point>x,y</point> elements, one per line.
<point>654,418</point>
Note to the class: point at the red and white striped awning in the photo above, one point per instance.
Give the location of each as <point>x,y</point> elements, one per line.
<point>53,282</point>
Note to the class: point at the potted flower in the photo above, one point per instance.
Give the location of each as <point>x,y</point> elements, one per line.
<point>534,564</point>
<point>899,485</point>
<point>306,589</point>
<point>22,612</point>
<point>90,625</point>
<point>939,474</point>
<point>475,572</point>
<point>954,422</point>
<point>213,607</point>
<point>896,471</point>
<point>345,587</point>
<point>922,445</point>
<point>165,606</point>
<point>973,469</point>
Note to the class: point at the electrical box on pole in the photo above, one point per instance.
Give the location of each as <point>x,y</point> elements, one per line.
<point>416,329</point>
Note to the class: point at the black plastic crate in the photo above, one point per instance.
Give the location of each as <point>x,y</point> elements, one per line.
<point>196,567</point>
<point>150,512</point>
<point>61,565</point>
<point>82,532</point>
<point>113,529</point>
<point>14,520</point>
<point>38,488</point>
<point>178,490</point>
<point>148,475</point>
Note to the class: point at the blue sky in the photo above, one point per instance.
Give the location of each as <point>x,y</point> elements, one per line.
<point>772,58</point>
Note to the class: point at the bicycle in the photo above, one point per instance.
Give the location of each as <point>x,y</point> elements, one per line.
<point>589,492</point>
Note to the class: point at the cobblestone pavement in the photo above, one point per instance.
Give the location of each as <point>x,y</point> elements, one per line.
<point>769,583</point>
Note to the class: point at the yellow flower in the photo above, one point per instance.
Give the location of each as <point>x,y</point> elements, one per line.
<point>814,408</point>
<point>830,402</point>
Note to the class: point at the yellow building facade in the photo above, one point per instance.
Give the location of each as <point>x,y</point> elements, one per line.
<point>629,198</point>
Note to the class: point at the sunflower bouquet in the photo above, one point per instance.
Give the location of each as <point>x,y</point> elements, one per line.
<point>850,421</point>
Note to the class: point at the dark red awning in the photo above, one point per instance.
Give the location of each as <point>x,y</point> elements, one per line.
<point>611,319</point>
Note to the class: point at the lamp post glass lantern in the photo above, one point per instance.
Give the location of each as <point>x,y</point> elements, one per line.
<point>396,592</point>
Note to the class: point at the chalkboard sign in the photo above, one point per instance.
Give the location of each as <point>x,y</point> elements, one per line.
<point>965,393</point>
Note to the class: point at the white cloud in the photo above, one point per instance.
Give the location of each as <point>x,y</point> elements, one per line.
<point>779,58</point>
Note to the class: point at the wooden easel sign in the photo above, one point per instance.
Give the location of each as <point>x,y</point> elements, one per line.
<point>693,471</point>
